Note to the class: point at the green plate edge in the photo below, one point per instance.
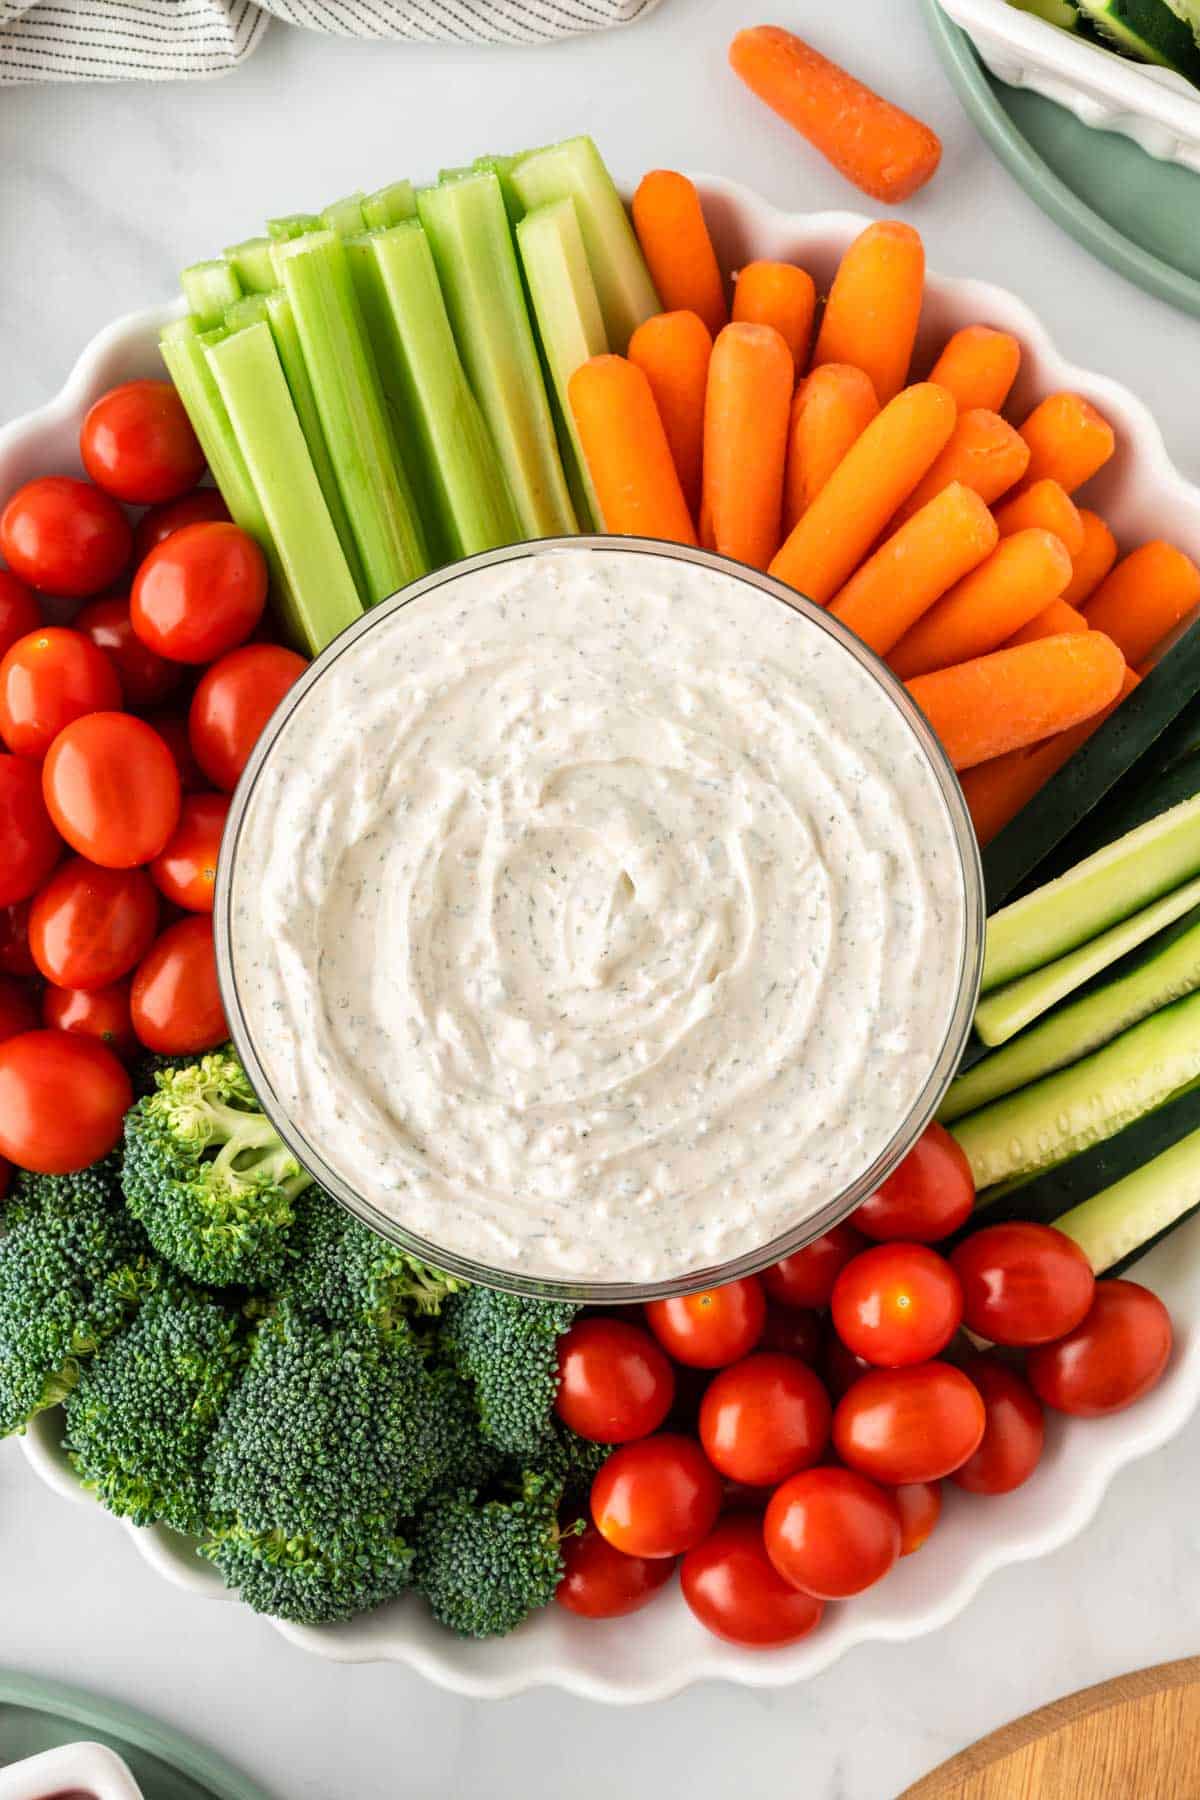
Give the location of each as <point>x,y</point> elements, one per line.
<point>124,1728</point>
<point>1039,180</point>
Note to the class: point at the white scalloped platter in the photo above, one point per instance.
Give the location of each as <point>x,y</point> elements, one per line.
<point>662,1650</point>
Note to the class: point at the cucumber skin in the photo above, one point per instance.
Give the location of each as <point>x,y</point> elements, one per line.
<point>1124,1219</point>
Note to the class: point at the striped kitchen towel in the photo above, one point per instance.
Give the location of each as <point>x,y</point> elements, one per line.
<point>165,40</point>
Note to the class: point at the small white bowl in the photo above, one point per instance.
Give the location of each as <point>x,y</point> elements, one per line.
<point>662,1650</point>
<point>1155,107</point>
<point>83,1768</point>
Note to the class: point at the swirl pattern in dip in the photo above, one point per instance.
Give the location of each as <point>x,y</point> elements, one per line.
<point>597,916</point>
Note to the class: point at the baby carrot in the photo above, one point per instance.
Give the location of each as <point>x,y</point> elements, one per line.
<point>882,150</point>
<point>1000,702</point>
<point>782,295</point>
<point>983,453</point>
<point>1020,578</point>
<point>832,408</point>
<point>1050,508</point>
<point>1093,562</point>
<point>675,242</point>
<point>978,366</point>
<point>672,351</point>
<point>874,306</point>
<point>1068,441</point>
<point>746,413</point>
<point>1052,621</point>
<point>628,457</point>
<point>1144,598</point>
<point>872,479</point>
<point>916,566</point>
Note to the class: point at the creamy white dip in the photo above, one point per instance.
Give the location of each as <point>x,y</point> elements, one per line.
<point>597,916</point>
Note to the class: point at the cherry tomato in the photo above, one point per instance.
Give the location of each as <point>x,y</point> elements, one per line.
<point>29,844</point>
<point>172,728</point>
<point>1011,1446</point>
<point>832,1532</point>
<point>137,443</point>
<point>19,611</point>
<point>897,1304</point>
<point>232,703</point>
<point>62,1101</point>
<point>112,789</point>
<point>198,508</point>
<point>1022,1284</point>
<point>734,1589</point>
<point>47,679</point>
<point>916,1424</point>
<point>199,593</point>
<point>601,1583</point>
<point>185,870</point>
<point>103,1013</point>
<point>764,1418</point>
<point>17,1009</point>
<point>1109,1360</point>
<point>920,1504</point>
<point>144,677</point>
<point>807,1277</point>
<point>655,1498</point>
<point>176,1002</point>
<point>711,1328</point>
<point>795,1330</point>
<point>614,1382</point>
<point>15,956</point>
<point>64,536</point>
<point>89,926</point>
<point>840,1367</point>
<point>931,1194</point>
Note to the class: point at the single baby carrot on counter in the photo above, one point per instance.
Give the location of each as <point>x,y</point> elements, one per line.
<point>1144,598</point>
<point>881,149</point>
<point>873,478</point>
<point>1052,621</point>
<point>1020,578</point>
<point>782,295</point>
<point>672,350</point>
<point>915,567</point>
<point>628,456</point>
<point>1068,441</point>
<point>1094,560</point>
<point>874,306</point>
<point>978,366</point>
<point>746,414</point>
<point>675,242</point>
<point>983,452</point>
<point>1049,507</point>
<point>1011,698</point>
<point>831,409</point>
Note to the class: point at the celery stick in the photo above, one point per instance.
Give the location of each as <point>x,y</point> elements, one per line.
<point>477,266</point>
<point>502,168</point>
<point>321,596</point>
<point>623,283</point>
<point>456,447</point>
<point>569,322</point>
<point>341,367</point>
<point>251,309</point>
<point>389,205</point>
<point>282,321</point>
<point>252,264</point>
<point>209,287</point>
<point>292,225</point>
<point>345,216</point>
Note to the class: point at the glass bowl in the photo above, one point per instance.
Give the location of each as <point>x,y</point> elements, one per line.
<point>320,1161</point>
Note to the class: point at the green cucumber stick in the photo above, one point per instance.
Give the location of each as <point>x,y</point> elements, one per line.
<point>1133,1212</point>
<point>253,265</point>
<point>345,216</point>
<point>282,321</point>
<point>623,283</point>
<point>374,486</point>
<point>209,287</point>
<point>389,206</point>
<point>455,444</point>
<point>292,225</point>
<point>567,311</point>
<point>476,264</point>
<point>321,597</point>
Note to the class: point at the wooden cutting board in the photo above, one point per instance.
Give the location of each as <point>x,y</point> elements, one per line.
<point>1136,1738</point>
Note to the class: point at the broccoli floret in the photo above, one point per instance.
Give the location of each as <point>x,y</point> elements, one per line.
<point>208,1175</point>
<point>73,1266</point>
<point>146,1069</point>
<point>346,1273</point>
<point>295,1578</point>
<point>145,1407</point>
<point>485,1564</point>
<point>578,1461</point>
<point>507,1348</point>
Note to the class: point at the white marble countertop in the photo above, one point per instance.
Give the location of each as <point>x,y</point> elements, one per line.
<point>106,192</point>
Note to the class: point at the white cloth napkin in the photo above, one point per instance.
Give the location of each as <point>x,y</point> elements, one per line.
<point>165,40</point>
